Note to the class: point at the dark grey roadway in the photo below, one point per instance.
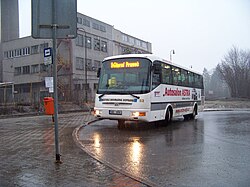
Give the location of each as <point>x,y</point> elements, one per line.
<point>27,155</point>
<point>213,150</point>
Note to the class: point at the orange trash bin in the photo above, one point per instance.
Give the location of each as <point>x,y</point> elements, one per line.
<point>49,105</point>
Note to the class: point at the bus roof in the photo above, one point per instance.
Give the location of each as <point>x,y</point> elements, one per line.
<point>148,56</point>
<point>151,57</point>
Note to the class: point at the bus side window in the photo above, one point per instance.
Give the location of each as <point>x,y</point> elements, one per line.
<point>191,79</point>
<point>166,74</point>
<point>156,77</point>
<point>197,81</point>
<point>176,75</point>
<point>184,77</point>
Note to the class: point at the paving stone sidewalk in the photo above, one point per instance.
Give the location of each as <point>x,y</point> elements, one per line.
<point>27,155</point>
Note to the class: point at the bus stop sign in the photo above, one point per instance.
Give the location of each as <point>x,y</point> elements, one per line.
<point>65,19</point>
<point>47,55</point>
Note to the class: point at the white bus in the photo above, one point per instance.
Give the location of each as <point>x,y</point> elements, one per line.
<point>146,88</point>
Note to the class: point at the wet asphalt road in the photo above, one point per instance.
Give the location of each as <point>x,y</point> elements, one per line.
<point>27,155</point>
<point>212,150</point>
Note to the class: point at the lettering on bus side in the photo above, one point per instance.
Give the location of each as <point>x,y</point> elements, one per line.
<point>176,92</point>
<point>182,110</point>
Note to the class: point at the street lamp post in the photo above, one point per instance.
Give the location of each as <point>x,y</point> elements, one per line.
<point>171,52</point>
<point>86,65</point>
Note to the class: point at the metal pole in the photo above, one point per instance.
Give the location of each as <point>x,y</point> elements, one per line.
<point>172,51</point>
<point>54,27</point>
<point>86,76</point>
<point>13,90</point>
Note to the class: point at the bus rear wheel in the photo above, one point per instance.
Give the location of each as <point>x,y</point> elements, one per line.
<point>168,116</point>
<point>191,116</point>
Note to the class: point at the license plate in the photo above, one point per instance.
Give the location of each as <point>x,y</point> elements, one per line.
<point>115,112</point>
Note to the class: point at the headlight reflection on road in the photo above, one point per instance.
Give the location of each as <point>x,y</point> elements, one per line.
<point>135,155</point>
<point>97,145</point>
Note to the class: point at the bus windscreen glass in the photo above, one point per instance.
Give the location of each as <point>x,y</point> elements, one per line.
<point>128,75</point>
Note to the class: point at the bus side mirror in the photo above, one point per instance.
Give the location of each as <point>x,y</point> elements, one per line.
<point>98,72</point>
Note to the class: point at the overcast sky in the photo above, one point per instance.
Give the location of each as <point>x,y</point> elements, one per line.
<point>200,31</point>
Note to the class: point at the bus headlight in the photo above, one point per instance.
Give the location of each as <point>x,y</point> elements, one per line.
<point>98,112</point>
<point>137,114</point>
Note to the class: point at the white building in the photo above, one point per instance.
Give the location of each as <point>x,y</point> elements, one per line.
<point>23,61</point>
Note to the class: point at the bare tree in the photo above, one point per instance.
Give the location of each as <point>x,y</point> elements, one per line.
<point>235,70</point>
<point>206,80</point>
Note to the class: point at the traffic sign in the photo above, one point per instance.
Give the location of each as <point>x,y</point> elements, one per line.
<point>47,55</point>
<point>65,19</point>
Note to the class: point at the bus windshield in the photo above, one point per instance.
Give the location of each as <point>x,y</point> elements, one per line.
<point>125,76</point>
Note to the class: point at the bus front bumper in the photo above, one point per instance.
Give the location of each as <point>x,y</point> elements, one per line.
<point>123,114</point>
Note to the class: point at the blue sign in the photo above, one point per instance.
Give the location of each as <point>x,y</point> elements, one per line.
<point>47,55</point>
<point>47,52</point>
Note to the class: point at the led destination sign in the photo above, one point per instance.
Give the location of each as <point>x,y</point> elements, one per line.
<point>118,65</point>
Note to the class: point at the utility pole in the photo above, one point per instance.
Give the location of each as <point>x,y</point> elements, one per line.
<point>54,19</point>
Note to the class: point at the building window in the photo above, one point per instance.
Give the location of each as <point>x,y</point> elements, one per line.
<point>97,44</point>
<point>96,65</point>
<point>103,46</point>
<point>79,20</point>
<point>35,68</point>
<point>95,86</point>
<point>126,50</point>
<point>18,52</point>
<point>77,86</point>
<point>44,68</point>
<point>86,22</point>
<point>79,63</point>
<point>102,28</point>
<point>42,46</point>
<point>79,40</point>
<point>6,54</point>
<point>131,41</point>
<point>17,71</point>
<point>34,49</point>
<point>138,42</point>
<point>26,51</point>
<point>124,38</point>
<point>96,26</point>
<point>25,89</point>
<point>88,42</point>
<point>89,64</point>
<point>85,86</point>
<point>26,69</point>
<point>144,45</point>
<point>11,53</point>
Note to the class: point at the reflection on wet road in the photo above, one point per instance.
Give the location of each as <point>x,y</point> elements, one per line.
<point>212,150</point>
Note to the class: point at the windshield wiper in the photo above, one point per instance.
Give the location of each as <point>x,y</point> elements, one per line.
<point>118,93</point>
<point>101,96</point>
<point>134,95</point>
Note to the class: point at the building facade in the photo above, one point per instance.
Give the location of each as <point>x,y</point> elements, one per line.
<point>77,61</point>
<point>9,23</point>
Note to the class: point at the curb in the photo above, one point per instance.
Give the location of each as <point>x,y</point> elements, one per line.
<point>75,135</point>
<point>85,110</point>
<point>225,109</point>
